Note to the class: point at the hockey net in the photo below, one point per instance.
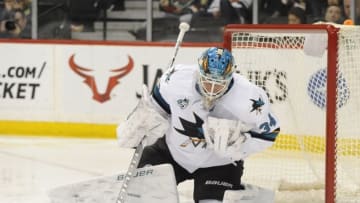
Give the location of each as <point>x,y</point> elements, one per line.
<point>311,74</point>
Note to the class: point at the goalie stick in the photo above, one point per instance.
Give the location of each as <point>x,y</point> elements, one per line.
<point>183,27</point>
<point>129,173</point>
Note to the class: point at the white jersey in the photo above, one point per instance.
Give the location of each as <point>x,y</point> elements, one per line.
<point>177,94</point>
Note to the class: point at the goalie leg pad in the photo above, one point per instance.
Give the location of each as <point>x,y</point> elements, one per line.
<point>251,194</point>
<point>153,184</point>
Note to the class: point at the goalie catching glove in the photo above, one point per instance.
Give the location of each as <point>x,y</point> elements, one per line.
<point>226,137</point>
<point>145,120</point>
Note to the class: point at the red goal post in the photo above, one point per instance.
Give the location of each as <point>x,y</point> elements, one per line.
<point>311,74</point>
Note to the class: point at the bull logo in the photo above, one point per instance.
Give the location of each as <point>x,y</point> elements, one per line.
<point>90,80</point>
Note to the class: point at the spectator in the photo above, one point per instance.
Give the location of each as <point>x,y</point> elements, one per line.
<point>15,26</point>
<point>278,10</point>
<point>203,13</point>
<point>183,9</point>
<point>275,8</point>
<point>317,8</point>
<point>235,11</point>
<point>208,15</point>
<point>346,7</point>
<point>333,14</point>
<point>15,19</point>
<point>296,15</point>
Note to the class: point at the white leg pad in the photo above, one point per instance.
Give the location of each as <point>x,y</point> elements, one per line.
<point>251,194</point>
<point>153,184</point>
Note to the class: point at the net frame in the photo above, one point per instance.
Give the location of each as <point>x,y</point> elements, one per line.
<point>331,96</point>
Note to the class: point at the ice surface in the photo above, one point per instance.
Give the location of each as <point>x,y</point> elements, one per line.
<point>30,166</point>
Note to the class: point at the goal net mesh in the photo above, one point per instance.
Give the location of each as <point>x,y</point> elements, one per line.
<point>291,66</point>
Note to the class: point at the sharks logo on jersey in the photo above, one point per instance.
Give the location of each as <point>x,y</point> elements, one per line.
<point>256,105</point>
<point>192,130</point>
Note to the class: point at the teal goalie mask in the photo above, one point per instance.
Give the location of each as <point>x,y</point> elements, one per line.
<point>216,69</point>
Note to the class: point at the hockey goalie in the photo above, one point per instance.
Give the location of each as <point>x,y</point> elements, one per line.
<point>204,120</point>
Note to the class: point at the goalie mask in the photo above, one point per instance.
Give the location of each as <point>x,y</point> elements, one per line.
<point>215,75</point>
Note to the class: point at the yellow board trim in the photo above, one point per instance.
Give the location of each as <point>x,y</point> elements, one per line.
<point>311,143</point>
<point>58,129</point>
<point>316,144</point>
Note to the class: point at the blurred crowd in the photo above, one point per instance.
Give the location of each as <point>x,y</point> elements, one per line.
<point>278,11</point>
<point>16,14</point>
